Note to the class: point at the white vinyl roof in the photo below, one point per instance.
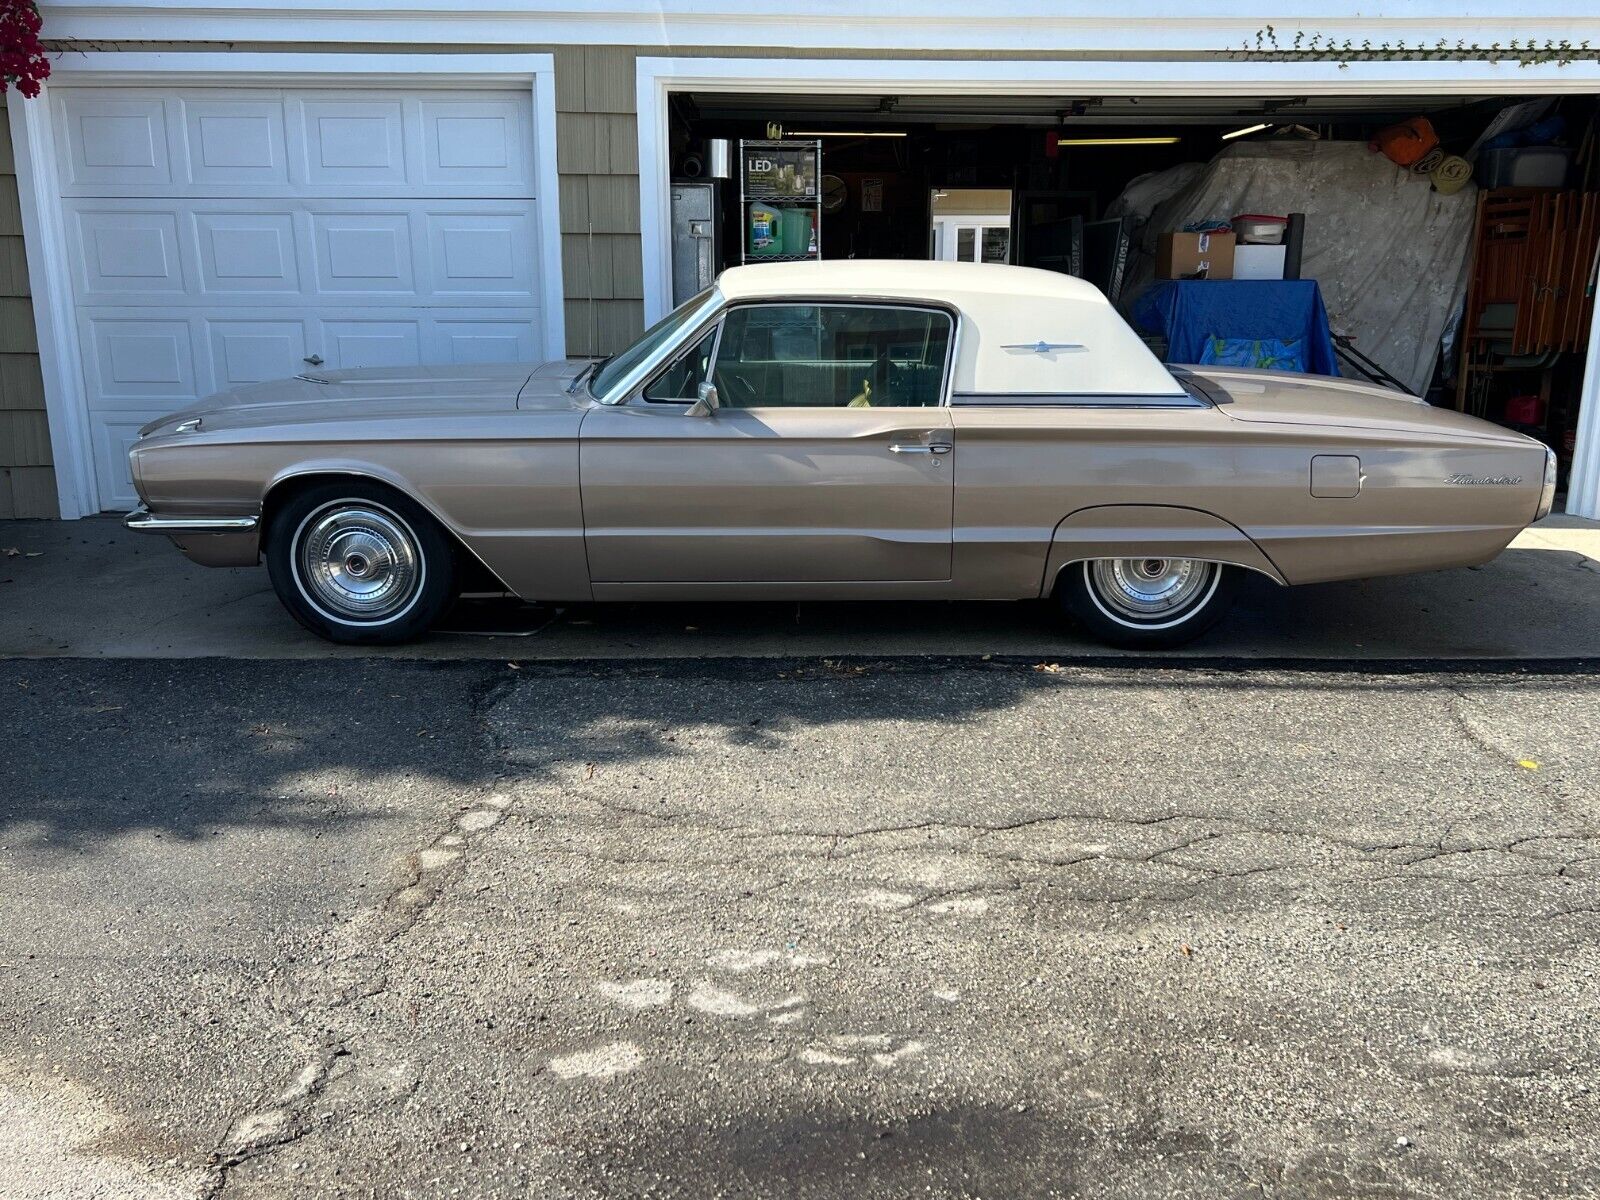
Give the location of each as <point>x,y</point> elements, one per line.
<point>1023,331</point>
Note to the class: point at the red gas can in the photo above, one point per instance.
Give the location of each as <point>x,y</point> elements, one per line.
<point>1525,410</point>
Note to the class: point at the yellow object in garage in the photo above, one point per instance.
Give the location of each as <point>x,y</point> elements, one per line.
<point>1451,175</point>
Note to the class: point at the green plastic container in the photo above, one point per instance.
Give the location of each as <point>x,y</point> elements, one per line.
<point>797,230</point>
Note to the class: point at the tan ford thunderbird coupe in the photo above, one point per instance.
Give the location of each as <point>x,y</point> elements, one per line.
<point>829,431</point>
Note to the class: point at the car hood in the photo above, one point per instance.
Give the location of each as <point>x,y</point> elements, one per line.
<point>1284,398</point>
<point>384,392</point>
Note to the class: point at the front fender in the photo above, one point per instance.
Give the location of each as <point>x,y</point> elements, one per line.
<point>513,507</point>
<point>1154,531</point>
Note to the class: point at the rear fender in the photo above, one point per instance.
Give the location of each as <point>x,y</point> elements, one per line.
<point>1151,531</point>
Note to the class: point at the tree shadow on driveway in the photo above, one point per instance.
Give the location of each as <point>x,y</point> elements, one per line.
<point>95,750</point>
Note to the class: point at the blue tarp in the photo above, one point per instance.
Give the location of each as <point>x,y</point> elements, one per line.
<point>1279,323</point>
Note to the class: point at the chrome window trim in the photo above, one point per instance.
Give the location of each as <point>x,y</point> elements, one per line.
<point>946,390</point>
<point>1072,400</point>
<point>637,396</point>
<point>632,383</point>
<point>1195,386</point>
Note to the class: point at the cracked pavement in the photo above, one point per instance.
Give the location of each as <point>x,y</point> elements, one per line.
<point>806,928</point>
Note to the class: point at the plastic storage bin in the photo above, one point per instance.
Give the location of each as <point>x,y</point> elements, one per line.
<point>797,237</point>
<point>1524,166</point>
<point>1259,229</point>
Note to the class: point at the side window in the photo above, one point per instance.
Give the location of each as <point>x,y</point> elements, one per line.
<point>832,356</point>
<point>680,382</point>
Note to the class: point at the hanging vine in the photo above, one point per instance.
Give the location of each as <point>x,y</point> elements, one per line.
<point>22,61</point>
<point>1316,47</point>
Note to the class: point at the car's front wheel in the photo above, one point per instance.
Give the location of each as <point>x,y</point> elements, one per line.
<point>358,563</point>
<point>1147,603</point>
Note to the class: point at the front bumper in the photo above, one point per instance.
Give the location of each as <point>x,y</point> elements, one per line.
<point>209,541</point>
<point>146,521</point>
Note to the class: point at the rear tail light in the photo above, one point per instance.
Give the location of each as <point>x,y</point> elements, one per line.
<point>1547,494</point>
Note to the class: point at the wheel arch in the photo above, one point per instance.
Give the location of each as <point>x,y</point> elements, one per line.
<point>1153,530</point>
<point>286,484</point>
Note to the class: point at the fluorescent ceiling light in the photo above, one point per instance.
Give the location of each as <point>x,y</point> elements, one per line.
<point>844,133</point>
<point>1245,130</point>
<point>1117,141</point>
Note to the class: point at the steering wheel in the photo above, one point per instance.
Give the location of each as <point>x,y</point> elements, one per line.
<point>741,389</point>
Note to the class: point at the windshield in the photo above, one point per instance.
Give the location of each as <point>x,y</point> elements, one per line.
<point>615,370</point>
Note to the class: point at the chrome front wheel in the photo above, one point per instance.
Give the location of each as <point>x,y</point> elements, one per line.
<point>355,561</point>
<point>358,562</point>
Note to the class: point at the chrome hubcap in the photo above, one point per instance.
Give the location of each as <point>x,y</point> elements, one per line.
<point>1142,588</point>
<point>358,562</point>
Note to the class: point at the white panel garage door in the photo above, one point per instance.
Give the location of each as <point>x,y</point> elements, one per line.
<point>221,236</point>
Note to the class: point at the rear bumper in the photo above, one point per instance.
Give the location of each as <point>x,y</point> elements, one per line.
<point>209,541</point>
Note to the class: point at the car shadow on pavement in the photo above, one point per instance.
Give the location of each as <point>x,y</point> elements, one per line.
<point>1527,603</point>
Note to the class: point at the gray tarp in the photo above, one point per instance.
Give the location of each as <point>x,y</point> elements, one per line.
<point>1389,252</point>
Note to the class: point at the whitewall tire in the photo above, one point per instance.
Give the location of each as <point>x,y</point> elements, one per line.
<point>359,563</point>
<point>1147,603</point>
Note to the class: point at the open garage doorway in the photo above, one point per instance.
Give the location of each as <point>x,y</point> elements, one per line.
<point>1092,179</point>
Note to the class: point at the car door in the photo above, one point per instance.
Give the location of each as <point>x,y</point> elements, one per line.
<point>827,460</point>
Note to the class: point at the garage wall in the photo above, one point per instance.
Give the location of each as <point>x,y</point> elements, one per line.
<point>27,480</point>
<point>597,156</point>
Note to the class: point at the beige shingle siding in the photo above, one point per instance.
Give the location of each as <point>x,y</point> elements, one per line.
<point>27,479</point>
<point>622,135</point>
<point>17,334</point>
<point>597,156</point>
<point>26,437</point>
<point>21,386</point>
<point>608,80</point>
<point>583,144</point>
<point>13,266</point>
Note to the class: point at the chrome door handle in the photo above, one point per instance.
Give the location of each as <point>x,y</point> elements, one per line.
<point>920,448</point>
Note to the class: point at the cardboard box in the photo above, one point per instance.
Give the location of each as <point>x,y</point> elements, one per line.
<point>1259,262</point>
<point>1192,255</point>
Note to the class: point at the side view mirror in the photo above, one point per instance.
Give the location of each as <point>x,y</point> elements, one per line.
<point>707,402</point>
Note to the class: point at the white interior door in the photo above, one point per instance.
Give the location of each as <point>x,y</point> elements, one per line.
<point>225,236</point>
<point>974,239</point>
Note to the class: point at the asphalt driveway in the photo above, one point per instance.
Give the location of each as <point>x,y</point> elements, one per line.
<point>796,928</point>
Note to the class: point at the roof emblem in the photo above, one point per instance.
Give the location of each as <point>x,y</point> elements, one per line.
<point>1043,347</point>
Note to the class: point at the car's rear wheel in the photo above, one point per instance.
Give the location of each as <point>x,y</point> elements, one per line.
<point>1147,603</point>
<point>358,563</point>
